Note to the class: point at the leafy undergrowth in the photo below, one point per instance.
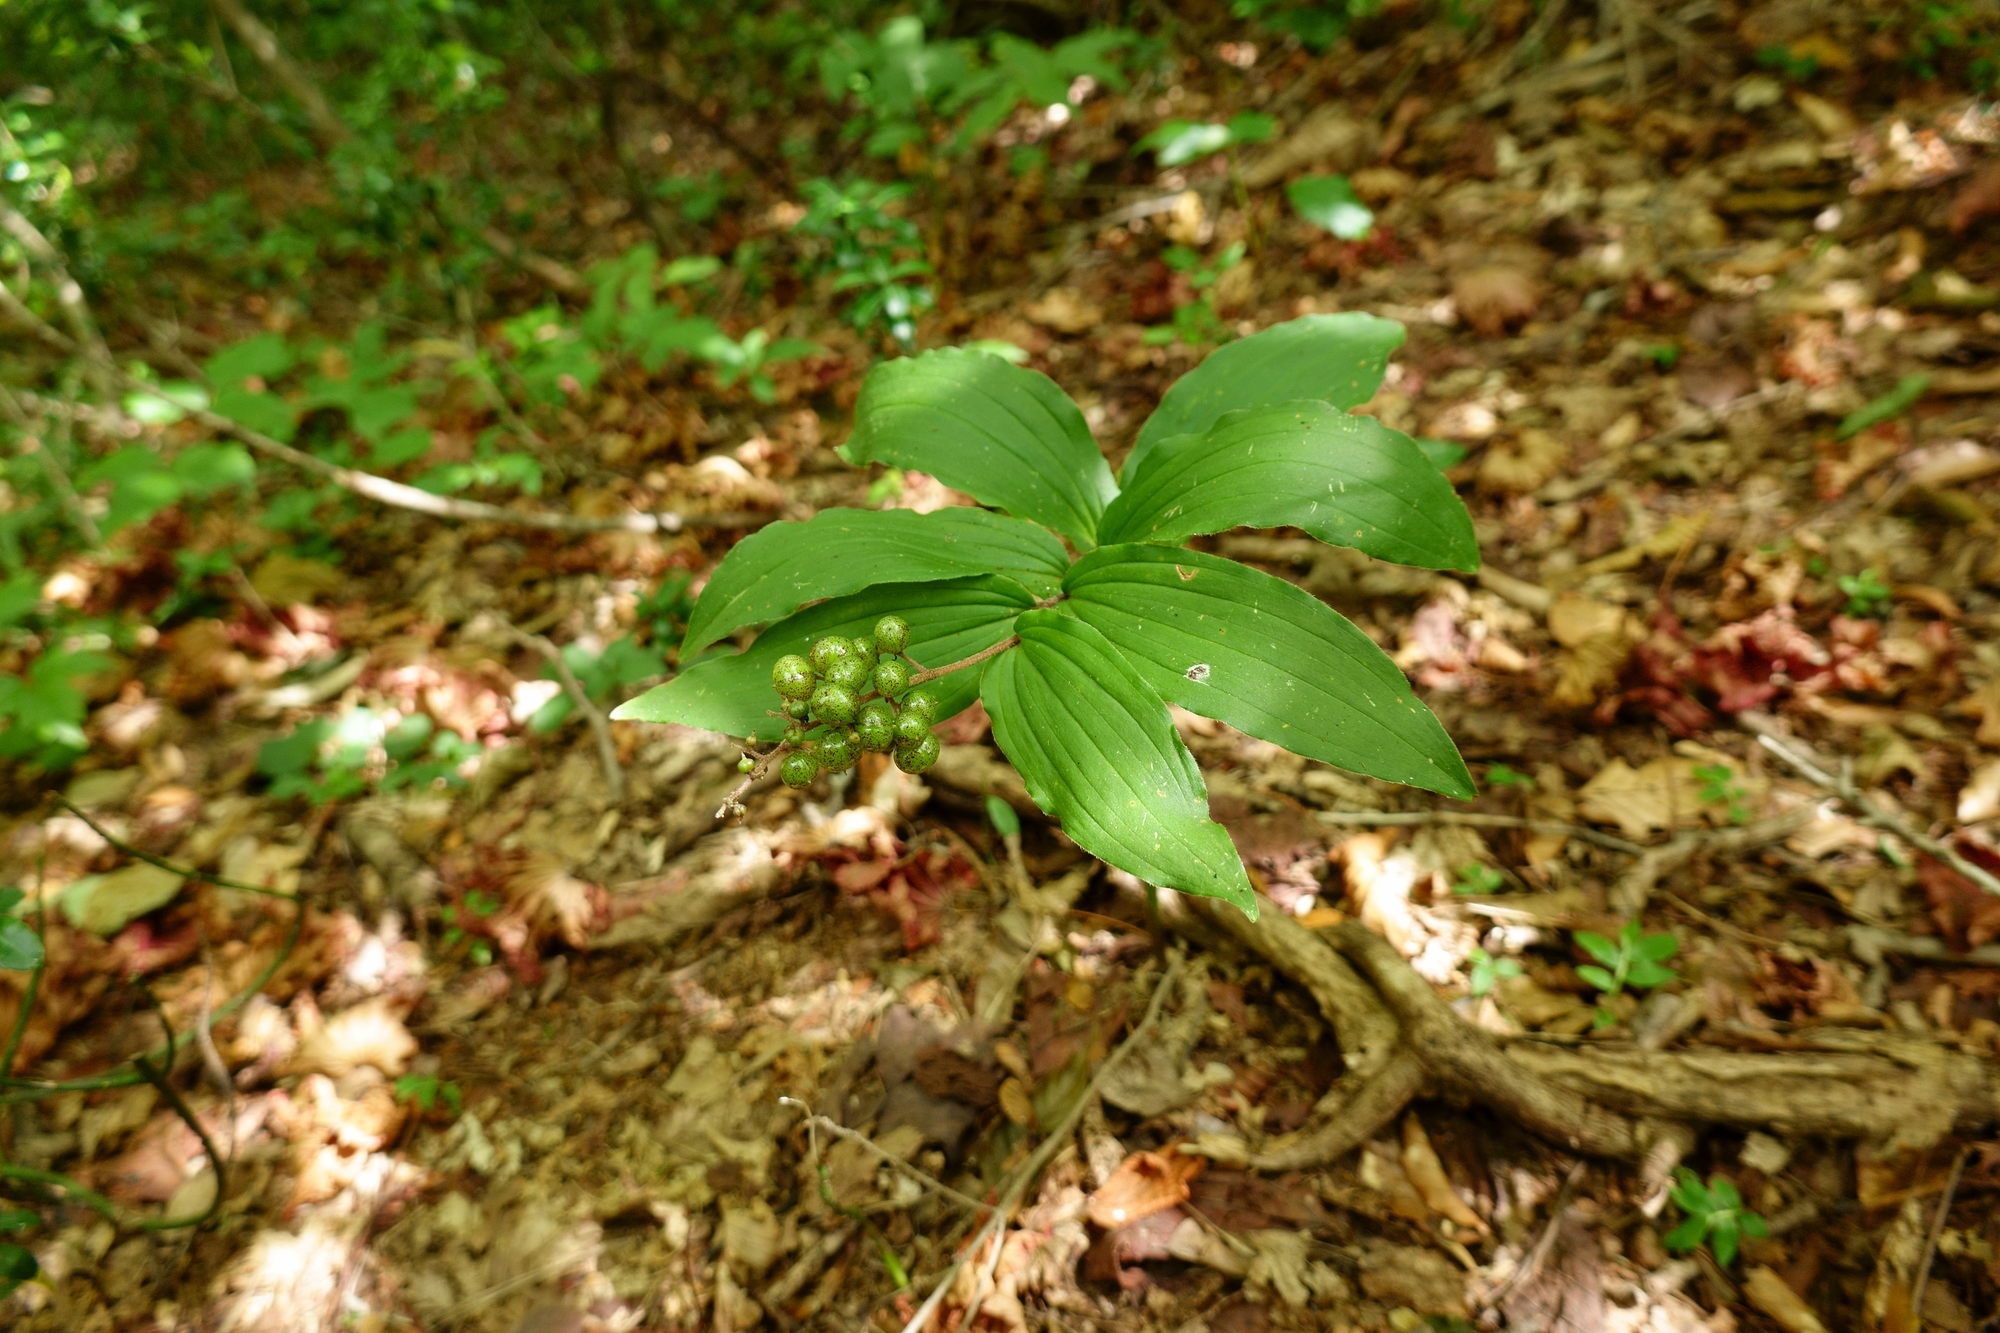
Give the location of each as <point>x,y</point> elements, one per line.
<point>1711,367</point>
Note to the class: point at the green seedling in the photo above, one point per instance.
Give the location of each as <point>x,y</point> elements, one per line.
<point>1502,775</point>
<point>1178,142</point>
<point>1719,787</point>
<point>1867,595</point>
<point>1664,355</point>
<point>1887,407</point>
<point>1330,202</point>
<point>1634,959</point>
<point>1715,1214</point>
<point>1487,971</point>
<point>17,1262</point>
<point>1195,322</point>
<point>1069,605</point>
<point>1474,877</point>
<point>428,1092</point>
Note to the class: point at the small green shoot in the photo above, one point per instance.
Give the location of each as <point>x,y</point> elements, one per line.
<point>1475,878</point>
<point>1884,408</point>
<point>1634,959</point>
<point>1178,142</point>
<point>1715,1213</point>
<point>1719,787</point>
<point>1867,595</point>
<point>1664,355</point>
<point>17,1262</point>
<point>1487,971</point>
<point>1501,775</point>
<point>428,1092</point>
<point>1330,202</point>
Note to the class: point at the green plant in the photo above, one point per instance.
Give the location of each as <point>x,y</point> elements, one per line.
<point>1633,959</point>
<point>1195,322</point>
<point>1476,878</point>
<point>1866,593</point>
<point>17,1262</point>
<point>872,252</point>
<point>1330,202</point>
<point>1317,26</point>
<point>478,905</point>
<point>332,759</point>
<point>1076,659</point>
<point>1719,787</point>
<point>1715,1213</point>
<point>20,946</point>
<point>1664,355</point>
<point>428,1092</point>
<point>1953,37</point>
<point>1486,971</point>
<point>1504,775</point>
<point>1177,142</point>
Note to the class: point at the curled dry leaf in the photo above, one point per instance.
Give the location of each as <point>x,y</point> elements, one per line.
<point>1771,1294</point>
<point>1144,1183</point>
<point>1524,463</point>
<point>1495,297</point>
<point>369,1033</point>
<point>1426,1172</point>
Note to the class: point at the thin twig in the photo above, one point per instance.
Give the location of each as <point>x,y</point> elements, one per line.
<point>1475,819</point>
<point>1937,1230</point>
<point>1802,761</point>
<point>883,1155</point>
<point>1031,1170</point>
<point>199,876</point>
<point>600,729</point>
<point>69,295</point>
<point>72,503</point>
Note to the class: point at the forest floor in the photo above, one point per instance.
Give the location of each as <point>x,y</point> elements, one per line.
<point>1731,671</point>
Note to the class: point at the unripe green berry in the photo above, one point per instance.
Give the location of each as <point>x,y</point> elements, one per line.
<point>799,769</point>
<point>892,676</point>
<point>795,709</point>
<point>745,764</point>
<point>916,758</point>
<point>792,676</point>
<point>831,649</point>
<point>910,728</point>
<point>875,724</point>
<point>836,752</point>
<point>923,702</point>
<point>795,735</point>
<point>833,703</point>
<point>865,646</point>
<point>850,673</point>
<point>892,634</point>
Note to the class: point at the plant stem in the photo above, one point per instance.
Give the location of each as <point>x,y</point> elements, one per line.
<point>926,676</point>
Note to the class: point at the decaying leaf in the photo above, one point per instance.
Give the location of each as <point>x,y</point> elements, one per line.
<point>1426,1172</point>
<point>1495,297</point>
<point>1659,795</point>
<point>1143,1184</point>
<point>368,1033</point>
<point>1524,463</point>
<point>1771,1294</point>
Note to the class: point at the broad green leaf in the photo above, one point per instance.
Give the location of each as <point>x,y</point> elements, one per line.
<point>1347,480</point>
<point>1725,1193</point>
<point>1330,202</point>
<point>1597,977</point>
<point>1647,975</point>
<point>1598,947</point>
<point>1444,454</point>
<point>1336,359</point>
<point>1722,1239</point>
<point>773,572</point>
<point>20,947</point>
<point>264,357</point>
<point>207,468</point>
<point>1095,747</point>
<point>1688,1234</point>
<point>1891,404</point>
<point>1243,647</point>
<point>1005,435</point>
<point>949,620</point>
<point>1659,947</point>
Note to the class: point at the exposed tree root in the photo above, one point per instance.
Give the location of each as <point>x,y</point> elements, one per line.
<point>1402,1041</point>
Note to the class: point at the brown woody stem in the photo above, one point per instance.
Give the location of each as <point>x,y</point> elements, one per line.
<point>927,676</point>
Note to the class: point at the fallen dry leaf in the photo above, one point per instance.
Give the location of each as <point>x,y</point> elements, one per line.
<point>368,1033</point>
<point>1660,795</point>
<point>1143,1184</point>
<point>1495,297</point>
<point>1426,1172</point>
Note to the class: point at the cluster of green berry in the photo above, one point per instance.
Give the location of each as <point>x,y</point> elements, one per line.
<point>846,696</point>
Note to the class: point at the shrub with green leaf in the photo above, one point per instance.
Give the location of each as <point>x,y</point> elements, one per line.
<point>1635,959</point>
<point>1715,1213</point>
<point>1070,605</point>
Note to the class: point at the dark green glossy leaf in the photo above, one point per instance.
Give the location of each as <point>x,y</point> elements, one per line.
<point>1095,747</point>
<point>1336,359</point>
<point>1345,479</point>
<point>773,572</point>
<point>1005,435</point>
<point>949,620</point>
<point>1238,645</point>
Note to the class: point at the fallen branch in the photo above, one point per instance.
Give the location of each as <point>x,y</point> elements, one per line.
<point>600,729</point>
